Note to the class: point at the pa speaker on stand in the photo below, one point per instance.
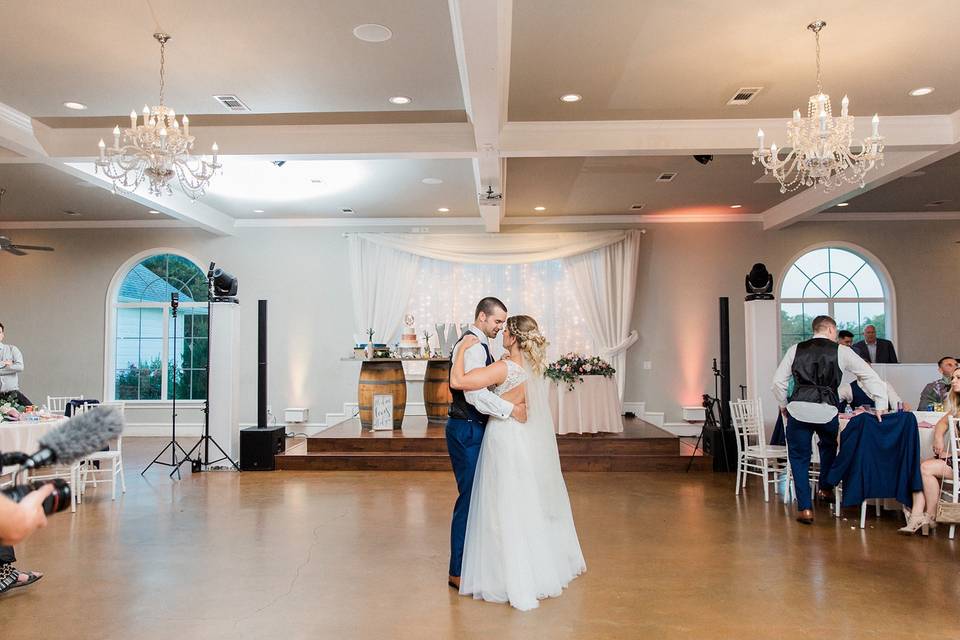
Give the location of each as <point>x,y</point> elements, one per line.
<point>259,444</point>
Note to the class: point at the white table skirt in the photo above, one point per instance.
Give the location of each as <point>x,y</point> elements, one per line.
<point>24,436</point>
<point>592,406</point>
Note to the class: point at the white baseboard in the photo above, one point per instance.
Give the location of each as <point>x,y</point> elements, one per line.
<point>156,429</point>
<point>637,408</point>
<point>654,417</point>
<point>682,429</point>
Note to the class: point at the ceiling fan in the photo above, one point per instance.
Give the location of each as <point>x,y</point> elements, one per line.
<point>16,249</point>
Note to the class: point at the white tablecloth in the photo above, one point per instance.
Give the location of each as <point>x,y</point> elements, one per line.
<point>24,436</point>
<point>592,406</point>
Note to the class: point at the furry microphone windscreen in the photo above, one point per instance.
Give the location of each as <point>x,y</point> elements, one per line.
<point>83,434</point>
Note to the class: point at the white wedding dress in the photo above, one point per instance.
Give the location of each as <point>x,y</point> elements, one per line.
<point>521,543</point>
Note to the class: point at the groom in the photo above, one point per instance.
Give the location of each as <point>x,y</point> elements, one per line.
<point>467,418</point>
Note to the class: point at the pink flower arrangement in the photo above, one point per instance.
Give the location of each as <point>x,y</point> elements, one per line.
<point>571,368</point>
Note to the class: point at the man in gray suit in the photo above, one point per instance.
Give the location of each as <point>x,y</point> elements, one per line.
<point>873,349</point>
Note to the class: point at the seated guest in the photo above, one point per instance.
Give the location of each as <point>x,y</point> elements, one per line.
<point>923,513</point>
<point>875,350</point>
<point>936,392</point>
<point>854,396</point>
<point>845,338</point>
<point>816,366</point>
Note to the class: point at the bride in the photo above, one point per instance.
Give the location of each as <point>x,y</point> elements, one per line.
<point>521,544</point>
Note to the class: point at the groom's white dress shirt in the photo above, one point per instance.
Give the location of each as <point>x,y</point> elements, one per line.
<point>484,400</point>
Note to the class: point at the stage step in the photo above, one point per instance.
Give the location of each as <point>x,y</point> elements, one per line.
<point>420,446</point>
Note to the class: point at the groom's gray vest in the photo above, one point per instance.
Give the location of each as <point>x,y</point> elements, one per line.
<point>460,409</point>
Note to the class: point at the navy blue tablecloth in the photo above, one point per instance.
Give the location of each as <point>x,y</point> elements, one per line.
<point>779,436</point>
<point>878,459</point>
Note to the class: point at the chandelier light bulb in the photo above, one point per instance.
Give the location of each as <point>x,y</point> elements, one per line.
<point>103,148</point>
<point>133,119</point>
<point>146,112</point>
<point>875,121</point>
<point>796,116</point>
<point>186,125</point>
<point>760,136</point>
<point>844,104</point>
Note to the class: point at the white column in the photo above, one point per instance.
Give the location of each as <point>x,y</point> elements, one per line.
<point>225,379</point>
<point>763,353</point>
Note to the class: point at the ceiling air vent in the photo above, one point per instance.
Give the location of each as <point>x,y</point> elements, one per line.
<point>636,207</point>
<point>744,95</point>
<point>347,210</point>
<point>231,103</point>
<point>667,176</point>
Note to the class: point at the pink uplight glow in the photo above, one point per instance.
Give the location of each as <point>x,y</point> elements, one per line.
<point>692,350</point>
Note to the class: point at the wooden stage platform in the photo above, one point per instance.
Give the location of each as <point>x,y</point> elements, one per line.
<point>422,447</point>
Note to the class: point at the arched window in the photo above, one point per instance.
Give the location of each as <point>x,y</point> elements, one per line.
<point>142,350</point>
<point>837,281</point>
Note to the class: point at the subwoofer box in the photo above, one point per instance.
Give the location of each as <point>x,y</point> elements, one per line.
<point>259,446</point>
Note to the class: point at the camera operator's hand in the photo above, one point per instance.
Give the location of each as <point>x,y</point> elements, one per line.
<point>20,519</point>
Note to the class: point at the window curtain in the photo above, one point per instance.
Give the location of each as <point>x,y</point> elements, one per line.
<point>382,280</point>
<point>605,282</point>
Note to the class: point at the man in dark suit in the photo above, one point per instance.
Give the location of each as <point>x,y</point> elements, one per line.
<point>873,349</point>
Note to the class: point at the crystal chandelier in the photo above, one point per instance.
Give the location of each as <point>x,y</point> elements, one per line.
<point>820,145</point>
<point>157,149</point>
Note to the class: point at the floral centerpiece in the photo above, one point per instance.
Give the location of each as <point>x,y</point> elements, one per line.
<point>10,408</point>
<point>571,368</point>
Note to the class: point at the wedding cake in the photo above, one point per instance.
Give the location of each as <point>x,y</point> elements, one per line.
<point>409,344</point>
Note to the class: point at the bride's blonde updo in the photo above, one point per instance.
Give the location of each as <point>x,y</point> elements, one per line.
<point>531,342</point>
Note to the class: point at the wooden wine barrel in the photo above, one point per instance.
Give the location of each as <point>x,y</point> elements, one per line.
<point>436,391</point>
<point>382,378</point>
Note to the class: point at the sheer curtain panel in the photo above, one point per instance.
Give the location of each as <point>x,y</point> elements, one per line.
<point>605,281</point>
<point>382,280</point>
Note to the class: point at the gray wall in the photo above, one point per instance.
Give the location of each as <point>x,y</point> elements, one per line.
<point>53,305</point>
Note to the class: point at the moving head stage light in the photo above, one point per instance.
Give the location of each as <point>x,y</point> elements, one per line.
<point>223,285</point>
<point>759,283</point>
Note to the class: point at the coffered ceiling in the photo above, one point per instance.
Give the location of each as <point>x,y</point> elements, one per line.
<point>485,80</point>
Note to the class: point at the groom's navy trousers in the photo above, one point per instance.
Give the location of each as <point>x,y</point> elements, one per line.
<point>463,442</point>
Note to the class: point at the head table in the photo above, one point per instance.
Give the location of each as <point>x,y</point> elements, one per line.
<point>591,406</point>
<point>24,436</point>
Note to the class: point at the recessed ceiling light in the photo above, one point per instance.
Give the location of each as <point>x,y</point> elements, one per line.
<point>937,203</point>
<point>372,33</point>
<point>316,180</point>
<point>77,106</point>
<point>843,204</point>
<point>432,181</point>
<point>69,212</point>
<point>153,211</point>
<point>347,210</point>
<point>443,210</point>
<point>735,206</point>
<point>258,210</point>
<point>540,208</point>
<point>571,97</point>
<point>400,100</point>
<point>922,91</point>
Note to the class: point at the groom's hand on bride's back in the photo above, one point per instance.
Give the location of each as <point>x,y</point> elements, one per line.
<point>519,412</point>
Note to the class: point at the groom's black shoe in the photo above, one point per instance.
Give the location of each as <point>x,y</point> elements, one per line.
<point>454,581</point>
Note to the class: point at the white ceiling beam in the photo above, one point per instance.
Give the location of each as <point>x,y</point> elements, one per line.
<point>177,206</point>
<point>686,137</point>
<point>482,30</point>
<point>303,142</point>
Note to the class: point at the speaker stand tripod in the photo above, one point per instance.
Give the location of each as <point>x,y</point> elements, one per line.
<point>173,445</point>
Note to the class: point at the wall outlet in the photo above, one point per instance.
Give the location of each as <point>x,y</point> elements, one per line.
<point>647,365</point>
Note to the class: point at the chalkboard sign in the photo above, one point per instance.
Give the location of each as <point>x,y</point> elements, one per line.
<point>382,412</point>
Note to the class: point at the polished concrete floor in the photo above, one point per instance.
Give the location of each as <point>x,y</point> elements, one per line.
<point>363,555</point>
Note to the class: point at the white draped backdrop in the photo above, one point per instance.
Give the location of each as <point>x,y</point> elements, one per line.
<point>580,286</point>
